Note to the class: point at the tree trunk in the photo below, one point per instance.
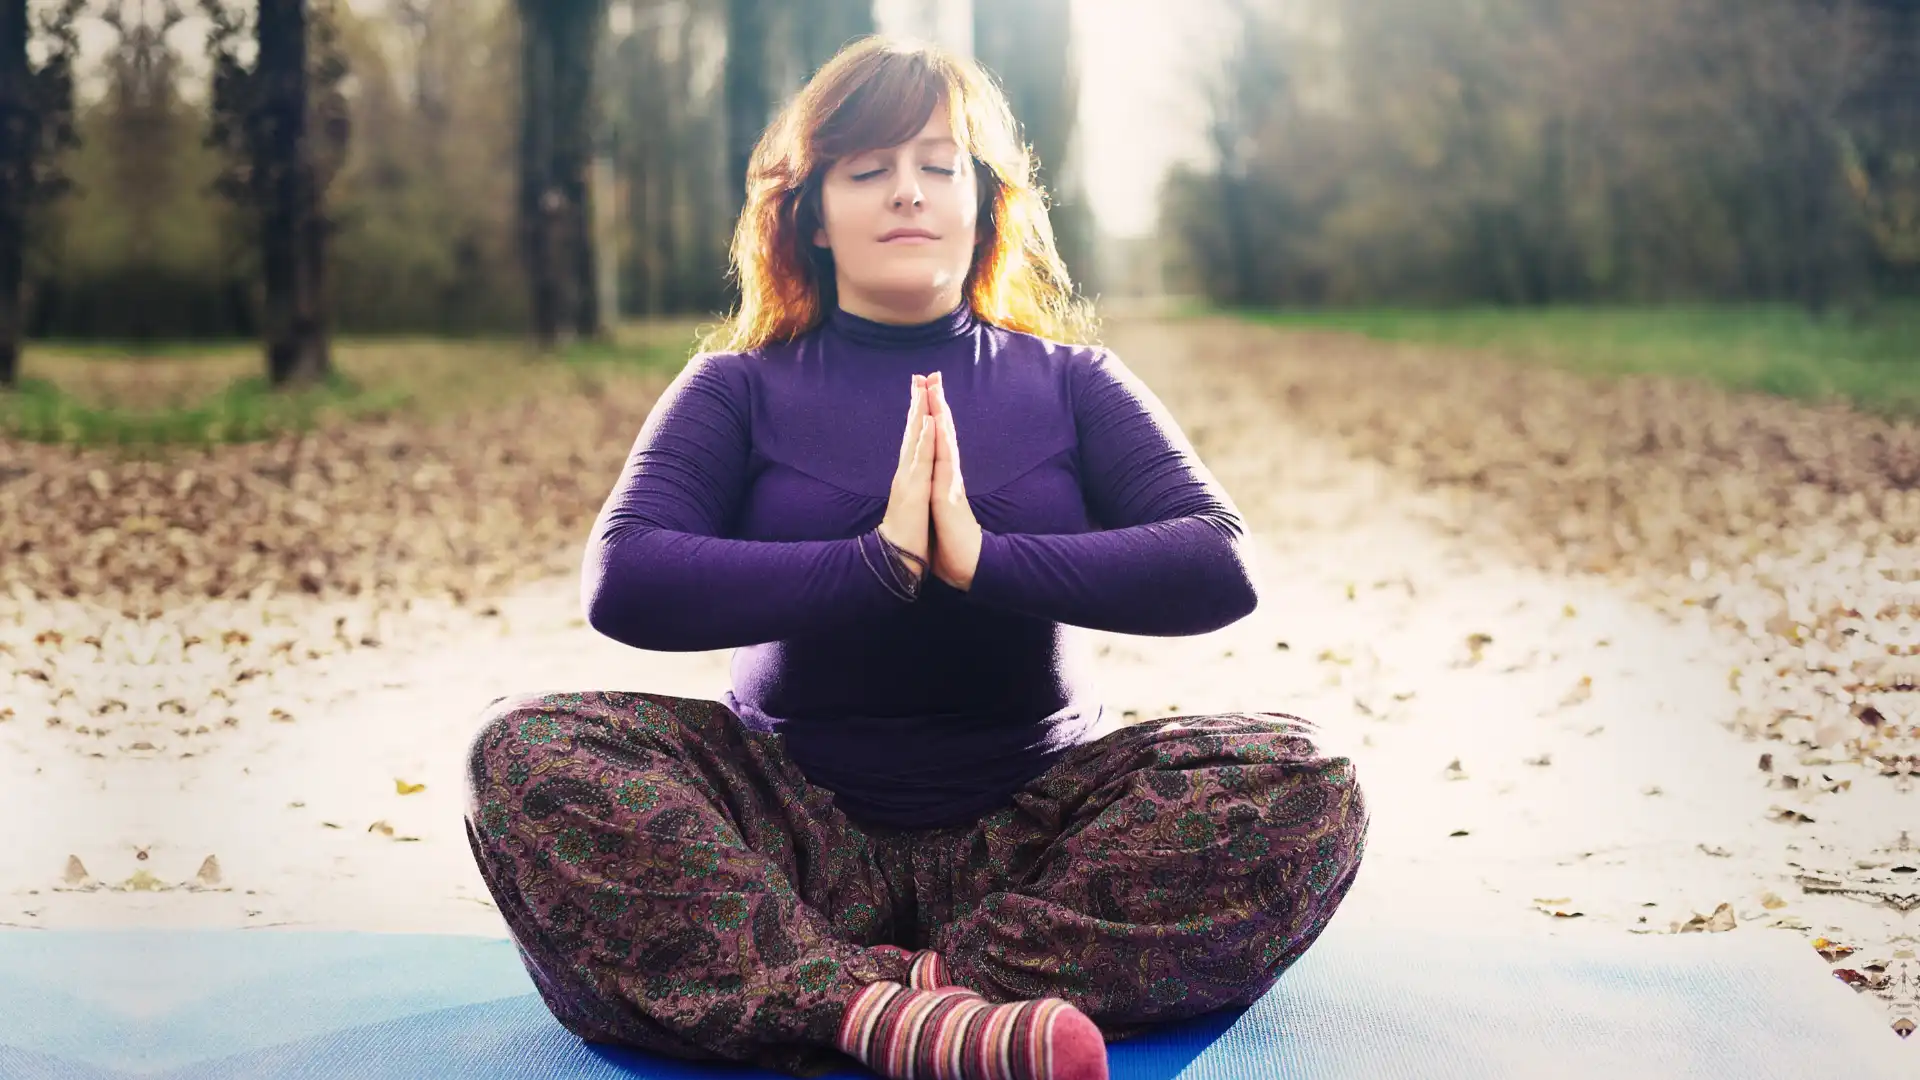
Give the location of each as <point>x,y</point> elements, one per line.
<point>15,178</point>
<point>748,101</point>
<point>824,28</point>
<point>559,44</point>
<point>539,203</point>
<point>1028,45</point>
<point>575,50</point>
<point>292,233</point>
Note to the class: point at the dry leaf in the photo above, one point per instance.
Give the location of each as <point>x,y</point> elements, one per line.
<point>1715,850</point>
<point>76,871</point>
<point>1581,691</point>
<point>1861,981</point>
<point>405,788</point>
<point>1453,771</point>
<point>209,873</point>
<point>1539,762</point>
<point>1831,951</point>
<point>1720,921</point>
<point>144,882</point>
<point>1771,901</point>
<point>1781,813</point>
<point>381,827</point>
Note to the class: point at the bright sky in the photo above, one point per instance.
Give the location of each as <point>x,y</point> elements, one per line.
<point>1137,113</point>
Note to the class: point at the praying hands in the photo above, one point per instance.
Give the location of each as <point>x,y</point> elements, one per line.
<point>955,543</point>
<point>927,513</point>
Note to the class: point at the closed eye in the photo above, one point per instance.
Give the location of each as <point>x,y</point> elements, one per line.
<point>929,168</point>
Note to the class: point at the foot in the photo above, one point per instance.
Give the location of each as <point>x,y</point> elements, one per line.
<point>954,1034</point>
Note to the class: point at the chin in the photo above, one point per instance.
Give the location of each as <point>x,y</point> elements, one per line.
<point>912,289</point>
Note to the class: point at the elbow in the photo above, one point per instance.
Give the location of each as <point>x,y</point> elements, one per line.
<point>614,608</point>
<point>602,606</point>
<point>1239,590</point>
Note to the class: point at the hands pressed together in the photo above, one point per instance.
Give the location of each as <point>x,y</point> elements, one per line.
<point>927,513</point>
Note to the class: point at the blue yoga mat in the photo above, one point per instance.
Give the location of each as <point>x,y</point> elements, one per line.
<point>1363,1003</point>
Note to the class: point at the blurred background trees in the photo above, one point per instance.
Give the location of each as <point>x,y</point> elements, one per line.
<point>36,123</point>
<point>1530,152</point>
<point>549,175</point>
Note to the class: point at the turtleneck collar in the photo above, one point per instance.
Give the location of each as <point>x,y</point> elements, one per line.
<point>956,323</point>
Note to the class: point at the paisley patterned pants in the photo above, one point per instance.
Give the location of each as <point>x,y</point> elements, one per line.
<point>675,884</point>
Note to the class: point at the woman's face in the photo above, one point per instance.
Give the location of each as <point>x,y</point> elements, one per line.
<point>901,223</point>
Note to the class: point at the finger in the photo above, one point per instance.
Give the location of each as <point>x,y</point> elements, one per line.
<point>916,409</point>
<point>923,452</point>
<point>950,449</point>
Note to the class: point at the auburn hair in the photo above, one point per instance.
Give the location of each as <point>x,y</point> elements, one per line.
<point>876,93</point>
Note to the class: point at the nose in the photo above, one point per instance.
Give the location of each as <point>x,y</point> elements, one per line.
<point>907,192</point>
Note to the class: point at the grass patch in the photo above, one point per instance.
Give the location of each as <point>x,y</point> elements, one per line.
<point>100,398</point>
<point>1872,362</point>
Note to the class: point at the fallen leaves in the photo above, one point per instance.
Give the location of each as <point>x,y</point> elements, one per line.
<point>385,828</point>
<point>1831,951</point>
<point>404,788</point>
<point>1581,692</point>
<point>144,881</point>
<point>1476,648</point>
<point>1719,922</point>
<point>1861,982</point>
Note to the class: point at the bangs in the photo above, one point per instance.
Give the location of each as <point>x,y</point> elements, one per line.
<point>889,108</point>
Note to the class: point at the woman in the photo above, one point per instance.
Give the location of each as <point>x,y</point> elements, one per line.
<point>903,836</point>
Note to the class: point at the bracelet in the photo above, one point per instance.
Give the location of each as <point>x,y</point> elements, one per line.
<point>906,591</point>
<point>896,555</point>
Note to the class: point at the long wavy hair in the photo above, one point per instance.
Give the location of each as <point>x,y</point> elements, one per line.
<point>876,93</point>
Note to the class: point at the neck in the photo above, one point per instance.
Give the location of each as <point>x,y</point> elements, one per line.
<point>899,311</point>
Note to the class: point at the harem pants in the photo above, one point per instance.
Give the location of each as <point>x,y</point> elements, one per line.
<point>675,884</point>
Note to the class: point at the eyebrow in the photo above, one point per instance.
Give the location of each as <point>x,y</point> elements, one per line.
<point>928,140</point>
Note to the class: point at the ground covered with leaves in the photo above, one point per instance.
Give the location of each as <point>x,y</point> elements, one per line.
<point>156,603</point>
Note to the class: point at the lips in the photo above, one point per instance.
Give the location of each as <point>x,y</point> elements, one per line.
<point>907,234</point>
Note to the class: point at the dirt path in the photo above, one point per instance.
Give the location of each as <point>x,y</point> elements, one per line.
<point>1543,753</point>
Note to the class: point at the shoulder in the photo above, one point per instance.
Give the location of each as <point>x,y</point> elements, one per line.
<point>1071,360</point>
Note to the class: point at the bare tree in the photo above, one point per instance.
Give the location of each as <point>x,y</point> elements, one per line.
<point>1028,45</point>
<point>285,126</point>
<point>36,122</point>
<point>749,90</point>
<point>560,42</point>
<point>822,27</point>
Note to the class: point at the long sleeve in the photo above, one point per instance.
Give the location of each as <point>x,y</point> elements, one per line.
<point>1172,558</point>
<point>658,574</point>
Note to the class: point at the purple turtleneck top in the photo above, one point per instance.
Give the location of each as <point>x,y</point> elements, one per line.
<point>746,518</point>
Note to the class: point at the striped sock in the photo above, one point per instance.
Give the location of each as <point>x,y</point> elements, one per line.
<point>925,969</point>
<point>954,1034</point>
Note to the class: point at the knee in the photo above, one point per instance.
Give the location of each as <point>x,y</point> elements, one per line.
<point>1316,793</point>
<point>500,723</point>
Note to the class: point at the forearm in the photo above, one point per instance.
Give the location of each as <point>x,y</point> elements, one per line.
<point>680,592</point>
<point>1183,576</point>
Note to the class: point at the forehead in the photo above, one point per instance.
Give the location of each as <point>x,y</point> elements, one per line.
<point>929,139</point>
